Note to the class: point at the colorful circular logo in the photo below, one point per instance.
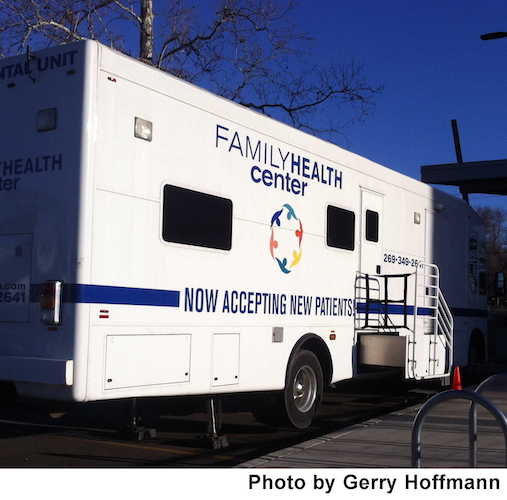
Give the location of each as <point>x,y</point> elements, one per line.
<point>286,238</point>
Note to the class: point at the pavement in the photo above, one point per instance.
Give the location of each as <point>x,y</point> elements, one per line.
<point>386,441</point>
<point>50,434</point>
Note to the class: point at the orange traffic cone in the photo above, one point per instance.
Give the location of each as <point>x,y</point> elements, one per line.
<point>456,380</point>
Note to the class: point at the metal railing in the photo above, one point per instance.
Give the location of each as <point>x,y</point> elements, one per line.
<point>365,285</point>
<point>428,296</point>
<point>472,420</point>
<point>373,302</point>
<point>447,396</point>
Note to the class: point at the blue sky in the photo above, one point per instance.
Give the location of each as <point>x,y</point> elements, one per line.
<point>434,68</point>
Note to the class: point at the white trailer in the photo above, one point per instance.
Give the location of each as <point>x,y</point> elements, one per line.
<point>158,240</point>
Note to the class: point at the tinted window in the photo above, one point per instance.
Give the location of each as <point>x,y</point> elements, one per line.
<point>371,225</point>
<point>195,218</point>
<point>340,228</point>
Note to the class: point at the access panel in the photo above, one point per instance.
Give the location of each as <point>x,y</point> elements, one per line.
<point>143,360</point>
<point>225,359</point>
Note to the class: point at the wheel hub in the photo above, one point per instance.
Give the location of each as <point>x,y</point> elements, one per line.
<point>304,390</point>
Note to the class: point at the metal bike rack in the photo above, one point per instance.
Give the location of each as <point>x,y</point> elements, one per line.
<point>447,396</point>
<point>472,419</point>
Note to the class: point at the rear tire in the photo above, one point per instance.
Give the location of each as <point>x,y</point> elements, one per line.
<point>303,389</point>
<point>297,404</point>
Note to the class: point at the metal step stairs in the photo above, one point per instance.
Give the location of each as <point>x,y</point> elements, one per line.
<point>437,321</point>
<point>428,321</point>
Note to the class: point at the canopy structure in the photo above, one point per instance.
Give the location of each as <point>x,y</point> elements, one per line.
<point>488,177</point>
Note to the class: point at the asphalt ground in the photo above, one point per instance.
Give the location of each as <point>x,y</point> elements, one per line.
<point>50,434</point>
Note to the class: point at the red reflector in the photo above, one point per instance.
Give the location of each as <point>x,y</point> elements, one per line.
<point>103,316</point>
<point>332,336</point>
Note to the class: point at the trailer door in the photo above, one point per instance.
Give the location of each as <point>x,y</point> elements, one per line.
<point>371,229</point>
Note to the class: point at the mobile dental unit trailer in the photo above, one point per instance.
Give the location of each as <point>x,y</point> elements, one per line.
<point>158,240</point>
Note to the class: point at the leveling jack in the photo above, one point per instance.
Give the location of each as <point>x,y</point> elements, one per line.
<point>217,440</point>
<point>134,430</point>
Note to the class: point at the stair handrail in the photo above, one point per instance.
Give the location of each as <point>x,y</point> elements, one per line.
<point>448,321</point>
<point>427,287</point>
<point>366,277</point>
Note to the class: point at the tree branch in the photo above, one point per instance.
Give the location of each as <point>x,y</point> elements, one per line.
<point>129,11</point>
<point>246,50</point>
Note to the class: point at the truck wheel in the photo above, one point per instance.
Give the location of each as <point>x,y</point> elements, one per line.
<point>303,388</point>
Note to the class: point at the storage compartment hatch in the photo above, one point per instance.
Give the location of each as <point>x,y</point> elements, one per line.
<point>382,350</point>
<point>143,360</point>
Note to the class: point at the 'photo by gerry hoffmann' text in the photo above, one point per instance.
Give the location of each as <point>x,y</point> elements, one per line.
<point>384,484</point>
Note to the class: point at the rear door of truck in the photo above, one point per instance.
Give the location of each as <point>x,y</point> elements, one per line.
<point>41,138</point>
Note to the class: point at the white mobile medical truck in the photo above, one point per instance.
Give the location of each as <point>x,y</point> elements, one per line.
<point>158,240</point>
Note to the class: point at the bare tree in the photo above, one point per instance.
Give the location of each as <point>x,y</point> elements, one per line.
<point>495,222</point>
<point>146,32</point>
<point>245,50</point>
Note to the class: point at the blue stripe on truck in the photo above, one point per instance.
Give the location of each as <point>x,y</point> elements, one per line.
<point>101,294</point>
<point>376,308</point>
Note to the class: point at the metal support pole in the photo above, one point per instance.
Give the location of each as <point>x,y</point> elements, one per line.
<point>472,435</point>
<point>405,291</point>
<point>215,414</point>
<point>133,413</point>
<point>472,420</point>
<point>386,300</point>
<point>134,430</point>
<point>457,143</point>
<point>367,309</point>
<point>218,441</point>
<point>459,157</point>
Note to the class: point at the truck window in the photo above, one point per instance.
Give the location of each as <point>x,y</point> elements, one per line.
<point>340,228</point>
<point>195,218</point>
<point>371,225</point>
